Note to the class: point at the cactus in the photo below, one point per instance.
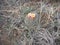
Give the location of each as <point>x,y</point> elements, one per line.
<point>27,22</point>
